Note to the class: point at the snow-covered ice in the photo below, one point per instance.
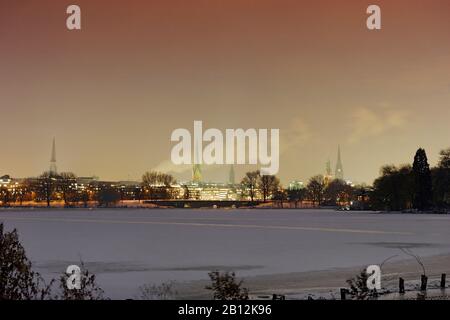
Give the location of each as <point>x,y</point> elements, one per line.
<point>130,247</point>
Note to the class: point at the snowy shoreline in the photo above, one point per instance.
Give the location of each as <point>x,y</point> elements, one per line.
<point>326,284</point>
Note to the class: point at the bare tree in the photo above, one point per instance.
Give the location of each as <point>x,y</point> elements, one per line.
<point>315,187</point>
<point>46,186</point>
<point>153,180</point>
<point>23,191</point>
<point>138,193</point>
<point>296,195</point>
<point>85,197</point>
<point>280,196</point>
<point>268,185</point>
<point>250,183</point>
<point>6,196</point>
<point>66,183</point>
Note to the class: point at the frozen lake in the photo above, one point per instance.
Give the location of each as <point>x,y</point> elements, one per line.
<point>130,247</point>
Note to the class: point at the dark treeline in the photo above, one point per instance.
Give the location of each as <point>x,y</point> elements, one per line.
<point>319,191</point>
<point>413,186</point>
<point>416,187</point>
<point>65,187</point>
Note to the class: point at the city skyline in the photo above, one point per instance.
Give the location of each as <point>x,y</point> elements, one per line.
<point>197,169</point>
<point>112,92</point>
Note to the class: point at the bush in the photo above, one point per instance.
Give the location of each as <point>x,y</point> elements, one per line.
<point>358,287</point>
<point>17,280</point>
<point>89,290</point>
<point>225,286</point>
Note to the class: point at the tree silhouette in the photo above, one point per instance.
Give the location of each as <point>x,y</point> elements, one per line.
<point>268,185</point>
<point>316,188</point>
<point>338,191</point>
<point>107,195</point>
<point>250,183</point>
<point>393,190</point>
<point>296,195</point>
<point>17,279</point>
<point>46,186</point>
<point>225,286</point>
<point>153,181</point>
<point>441,180</point>
<point>444,159</point>
<point>66,182</point>
<point>423,193</point>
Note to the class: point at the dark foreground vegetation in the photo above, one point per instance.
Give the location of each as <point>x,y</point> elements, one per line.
<point>18,281</point>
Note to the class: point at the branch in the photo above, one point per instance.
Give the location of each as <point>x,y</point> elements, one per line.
<point>411,254</point>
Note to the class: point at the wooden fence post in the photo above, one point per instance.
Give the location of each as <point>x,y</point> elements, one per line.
<point>401,286</point>
<point>343,293</point>
<point>443,281</point>
<point>423,282</point>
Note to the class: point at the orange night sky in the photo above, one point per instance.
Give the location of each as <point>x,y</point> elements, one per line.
<point>113,92</point>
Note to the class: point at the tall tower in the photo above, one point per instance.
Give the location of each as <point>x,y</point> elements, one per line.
<point>328,168</point>
<point>53,169</point>
<point>328,173</point>
<point>339,172</point>
<point>196,168</point>
<point>231,177</point>
<point>196,173</point>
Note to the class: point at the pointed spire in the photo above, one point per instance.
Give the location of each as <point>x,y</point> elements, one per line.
<point>196,173</point>
<point>231,177</point>
<point>328,168</point>
<point>196,168</point>
<point>53,158</point>
<point>339,172</point>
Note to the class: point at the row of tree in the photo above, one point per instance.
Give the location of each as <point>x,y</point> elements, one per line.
<point>416,187</point>
<point>318,191</point>
<point>50,187</point>
<point>405,187</point>
<point>257,185</point>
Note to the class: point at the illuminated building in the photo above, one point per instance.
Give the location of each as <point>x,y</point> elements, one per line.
<point>296,185</point>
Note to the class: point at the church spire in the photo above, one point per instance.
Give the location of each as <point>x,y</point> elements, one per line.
<point>231,178</point>
<point>53,169</point>
<point>339,172</point>
<point>196,168</point>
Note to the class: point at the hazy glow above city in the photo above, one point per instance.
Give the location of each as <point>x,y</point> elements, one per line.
<point>113,92</point>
